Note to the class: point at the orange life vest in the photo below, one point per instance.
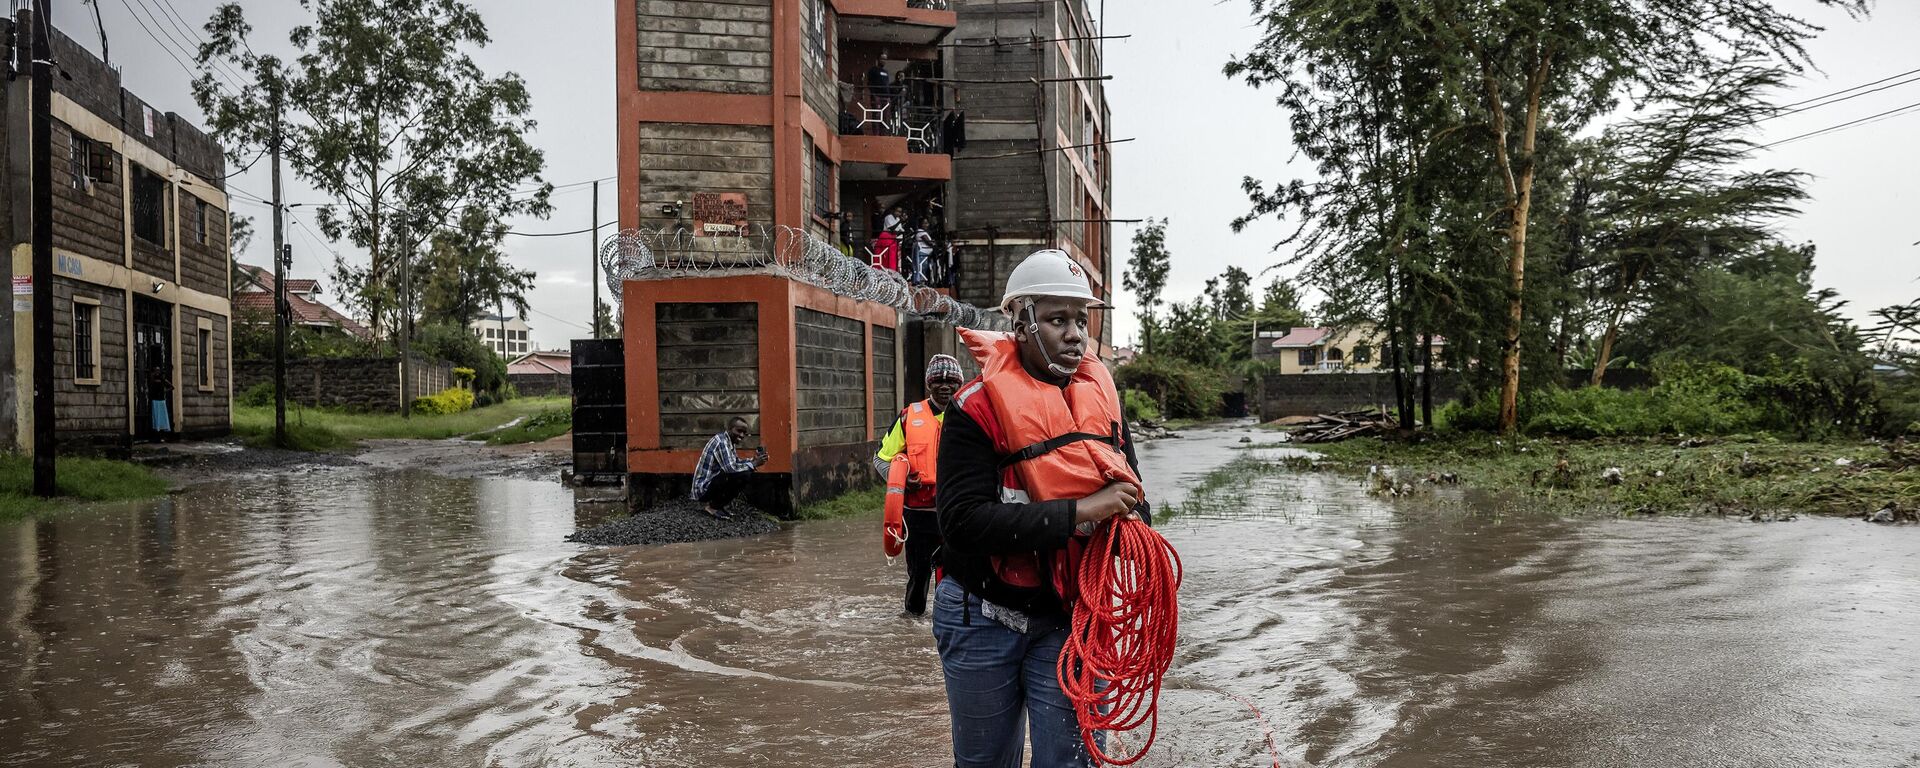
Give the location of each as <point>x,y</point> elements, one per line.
<point>921,455</point>
<point>1065,440</point>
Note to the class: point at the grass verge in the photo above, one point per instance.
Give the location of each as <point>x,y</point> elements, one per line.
<point>78,480</point>
<point>1655,476</point>
<point>545,425</point>
<point>850,504</point>
<point>317,429</point>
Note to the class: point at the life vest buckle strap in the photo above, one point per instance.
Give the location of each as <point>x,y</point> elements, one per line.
<point>1050,445</point>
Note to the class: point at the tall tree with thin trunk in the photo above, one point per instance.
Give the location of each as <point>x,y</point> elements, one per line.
<point>1146,276</point>
<point>391,117</point>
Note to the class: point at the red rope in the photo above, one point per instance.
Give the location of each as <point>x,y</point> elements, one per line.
<point>1124,628</point>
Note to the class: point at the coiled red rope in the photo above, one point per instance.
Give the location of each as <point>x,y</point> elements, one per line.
<point>1124,627</point>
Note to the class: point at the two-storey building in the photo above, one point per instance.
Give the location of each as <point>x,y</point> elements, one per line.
<point>141,286</point>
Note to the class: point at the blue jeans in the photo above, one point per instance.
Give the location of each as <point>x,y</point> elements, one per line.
<point>997,678</point>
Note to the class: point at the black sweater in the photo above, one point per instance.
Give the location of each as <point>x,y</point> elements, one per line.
<point>976,525</point>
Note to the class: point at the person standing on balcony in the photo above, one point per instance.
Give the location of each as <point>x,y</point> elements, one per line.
<point>922,254</point>
<point>880,90</point>
<point>912,452</point>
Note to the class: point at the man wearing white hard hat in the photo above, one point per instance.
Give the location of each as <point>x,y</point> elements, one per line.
<point>1033,453</point>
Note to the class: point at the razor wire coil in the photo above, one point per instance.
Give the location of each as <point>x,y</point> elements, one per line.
<point>656,254</point>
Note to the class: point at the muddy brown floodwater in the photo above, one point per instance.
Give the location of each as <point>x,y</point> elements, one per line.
<point>367,616</point>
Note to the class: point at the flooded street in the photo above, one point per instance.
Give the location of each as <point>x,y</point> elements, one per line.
<point>376,616</point>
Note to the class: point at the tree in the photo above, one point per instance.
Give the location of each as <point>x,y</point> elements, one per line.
<point>607,324</point>
<point>239,237</point>
<point>1190,334</point>
<point>1670,201</point>
<point>389,115</point>
<point>465,273</point>
<point>1280,306</point>
<point>1382,92</point>
<point>1146,275</point>
<point>1236,294</point>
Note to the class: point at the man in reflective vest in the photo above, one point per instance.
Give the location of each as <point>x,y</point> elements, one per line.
<point>914,445</point>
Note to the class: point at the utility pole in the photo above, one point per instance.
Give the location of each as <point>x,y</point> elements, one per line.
<point>42,190</point>
<point>97,24</point>
<point>593,258</point>
<point>406,320</point>
<point>282,258</point>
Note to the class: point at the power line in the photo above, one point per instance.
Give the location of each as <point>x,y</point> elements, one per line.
<point>1854,88</point>
<point>1833,128</point>
<point>188,29</point>
<point>558,320</point>
<point>1836,101</point>
<point>156,38</point>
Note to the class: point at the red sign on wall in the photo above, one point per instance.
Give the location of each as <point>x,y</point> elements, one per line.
<point>719,213</point>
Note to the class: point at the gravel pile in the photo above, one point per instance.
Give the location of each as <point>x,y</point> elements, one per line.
<point>675,521</point>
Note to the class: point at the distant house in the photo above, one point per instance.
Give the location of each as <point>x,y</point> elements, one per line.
<point>506,336</point>
<point>542,373</point>
<point>1124,356</point>
<point>253,303</point>
<point>1358,348</point>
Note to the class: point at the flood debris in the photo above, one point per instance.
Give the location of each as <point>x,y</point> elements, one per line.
<point>1337,426</point>
<point>1891,514</point>
<point>675,521</point>
<point>1148,429</point>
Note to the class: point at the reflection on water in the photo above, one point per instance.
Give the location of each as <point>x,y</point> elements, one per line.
<point>371,617</point>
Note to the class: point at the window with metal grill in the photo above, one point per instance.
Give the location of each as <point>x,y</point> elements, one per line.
<point>86,361</point>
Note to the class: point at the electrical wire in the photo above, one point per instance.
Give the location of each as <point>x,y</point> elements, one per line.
<point>156,38</point>
<point>1836,101</point>
<point>1841,126</point>
<point>1854,88</point>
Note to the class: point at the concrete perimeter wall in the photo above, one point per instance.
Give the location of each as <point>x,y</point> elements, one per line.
<point>360,384</point>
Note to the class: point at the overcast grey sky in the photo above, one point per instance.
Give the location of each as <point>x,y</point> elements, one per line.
<point>1197,133</point>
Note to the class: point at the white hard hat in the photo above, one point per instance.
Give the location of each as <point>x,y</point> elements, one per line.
<point>1047,273</point>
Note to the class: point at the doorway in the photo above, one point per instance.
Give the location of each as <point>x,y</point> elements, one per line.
<point>152,367</point>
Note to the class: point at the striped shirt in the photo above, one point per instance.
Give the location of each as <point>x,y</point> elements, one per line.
<point>719,456</point>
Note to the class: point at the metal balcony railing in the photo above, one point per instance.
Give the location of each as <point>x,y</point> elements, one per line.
<point>931,5</point>
<point>935,268</point>
<point>894,110</point>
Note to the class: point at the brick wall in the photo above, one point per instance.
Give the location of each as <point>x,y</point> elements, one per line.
<point>830,363</point>
<point>203,409</point>
<point>540,384</point>
<point>362,384</point>
<point>203,265</point>
<point>1308,394</point>
<point>722,46</point>
<point>1305,394</point>
<point>709,369</point>
<point>820,81</point>
<point>886,391</point>
<point>90,408</point>
<point>86,221</point>
<point>680,159</point>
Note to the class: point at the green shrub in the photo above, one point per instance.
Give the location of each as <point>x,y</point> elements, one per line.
<point>258,396</point>
<point>457,345</point>
<point>1139,406</point>
<point>1181,389</point>
<point>463,375</point>
<point>446,401</point>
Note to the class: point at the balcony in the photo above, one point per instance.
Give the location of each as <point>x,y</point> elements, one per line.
<point>934,268</point>
<point>890,127</point>
<point>898,22</point>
